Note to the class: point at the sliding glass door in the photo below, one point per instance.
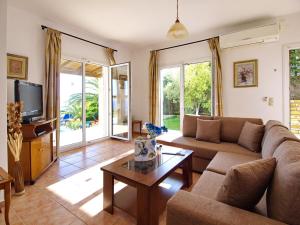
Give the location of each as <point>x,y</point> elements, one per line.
<point>185,89</point>
<point>197,88</point>
<point>83,103</point>
<point>170,97</point>
<point>96,112</point>
<point>71,99</point>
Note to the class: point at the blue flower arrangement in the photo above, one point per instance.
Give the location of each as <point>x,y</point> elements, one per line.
<point>145,147</point>
<point>154,131</point>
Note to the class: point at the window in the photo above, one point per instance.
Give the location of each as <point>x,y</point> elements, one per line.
<point>185,89</point>
<point>294,77</point>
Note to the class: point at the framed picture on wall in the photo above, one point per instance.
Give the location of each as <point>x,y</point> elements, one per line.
<point>245,73</point>
<point>17,67</point>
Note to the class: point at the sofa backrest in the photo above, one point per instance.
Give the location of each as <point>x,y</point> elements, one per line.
<point>273,138</point>
<point>189,126</point>
<point>231,127</point>
<point>283,194</point>
<point>273,123</point>
<point>269,125</point>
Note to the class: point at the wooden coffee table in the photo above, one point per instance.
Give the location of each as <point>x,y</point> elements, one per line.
<point>146,178</point>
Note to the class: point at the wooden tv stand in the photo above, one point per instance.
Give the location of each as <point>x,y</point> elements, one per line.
<point>38,150</point>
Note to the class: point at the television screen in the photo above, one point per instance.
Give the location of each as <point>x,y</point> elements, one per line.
<point>32,97</point>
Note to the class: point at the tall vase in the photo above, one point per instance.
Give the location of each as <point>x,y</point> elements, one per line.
<point>18,178</point>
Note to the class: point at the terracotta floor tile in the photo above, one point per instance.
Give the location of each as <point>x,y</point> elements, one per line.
<point>68,170</point>
<point>86,163</point>
<point>14,219</point>
<point>61,163</point>
<point>70,191</point>
<point>74,159</point>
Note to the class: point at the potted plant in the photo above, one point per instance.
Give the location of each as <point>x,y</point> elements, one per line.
<point>145,147</point>
<point>15,138</point>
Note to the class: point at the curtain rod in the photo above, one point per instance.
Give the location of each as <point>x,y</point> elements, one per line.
<point>189,43</point>
<point>70,35</point>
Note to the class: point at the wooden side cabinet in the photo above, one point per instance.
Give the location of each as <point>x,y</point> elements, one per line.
<point>38,151</point>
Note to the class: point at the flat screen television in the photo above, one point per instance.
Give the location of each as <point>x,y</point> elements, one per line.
<point>32,97</point>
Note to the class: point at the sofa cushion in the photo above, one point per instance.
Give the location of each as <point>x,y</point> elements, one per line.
<point>208,184</point>
<point>208,130</point>
<point>189,126</point>
<point>231,127</point>
<point>251,136</point>
<point>223,161</point>
<point>202,149</point>
<point>275,136</point>
<point>283,195</point>
<point>245,184</point>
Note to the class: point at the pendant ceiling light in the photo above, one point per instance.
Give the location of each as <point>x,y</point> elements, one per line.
<point>177,30</point>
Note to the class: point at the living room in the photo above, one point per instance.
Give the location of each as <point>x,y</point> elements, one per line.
<point>121,81</point>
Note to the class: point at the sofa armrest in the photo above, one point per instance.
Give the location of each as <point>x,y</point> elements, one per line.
<point>186,208</point>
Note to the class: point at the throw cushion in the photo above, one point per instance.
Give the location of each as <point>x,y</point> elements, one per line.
<point>245,184</point>
<point>251,136</point>
<point>208,130</point>
<point>189,126</point>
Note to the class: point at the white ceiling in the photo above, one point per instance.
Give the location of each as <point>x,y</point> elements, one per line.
<point>145,22</point>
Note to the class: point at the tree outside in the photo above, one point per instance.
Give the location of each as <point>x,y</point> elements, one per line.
<point>294,57</point>
<point>73,106</point>
<point>197,92</point>
<point>197,89</point>
<point>295,73</point>
<point>171,98</point>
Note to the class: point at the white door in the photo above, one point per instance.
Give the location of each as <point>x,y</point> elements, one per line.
<point>120,99</point>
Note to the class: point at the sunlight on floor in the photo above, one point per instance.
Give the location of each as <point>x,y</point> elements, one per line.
<point>165,185</point>
<point>95,205</point>
<point>83,184</point>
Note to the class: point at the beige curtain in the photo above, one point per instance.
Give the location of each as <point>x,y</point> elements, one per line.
<point>52,63</point>
<point>110,56</point>
<point>153,88</point>
<point>217,71</point>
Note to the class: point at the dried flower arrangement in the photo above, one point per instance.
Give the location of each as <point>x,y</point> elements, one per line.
<point>15,136</point>
<point>14,141</point>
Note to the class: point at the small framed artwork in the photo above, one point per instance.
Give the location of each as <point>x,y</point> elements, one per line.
<point>17,67</point>
<point>245,73</point>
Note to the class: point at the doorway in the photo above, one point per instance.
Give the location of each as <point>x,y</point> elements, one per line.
<point>185,89</point>
<point>83,103</point>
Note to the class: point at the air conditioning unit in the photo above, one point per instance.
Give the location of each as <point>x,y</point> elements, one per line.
<point>264,34</point>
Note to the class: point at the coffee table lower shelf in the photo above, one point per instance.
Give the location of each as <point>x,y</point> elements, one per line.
<point>126,199</point>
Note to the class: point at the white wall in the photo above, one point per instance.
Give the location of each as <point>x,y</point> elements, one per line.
<point>243,102</point>
<point>248,101</point>
<point>3,139</point>
<point>25,37</point>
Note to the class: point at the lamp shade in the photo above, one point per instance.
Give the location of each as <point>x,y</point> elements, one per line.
<point>177,31</point>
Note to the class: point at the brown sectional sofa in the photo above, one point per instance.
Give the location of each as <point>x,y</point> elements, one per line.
<point>204,151</point>
<point>281,202</point>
